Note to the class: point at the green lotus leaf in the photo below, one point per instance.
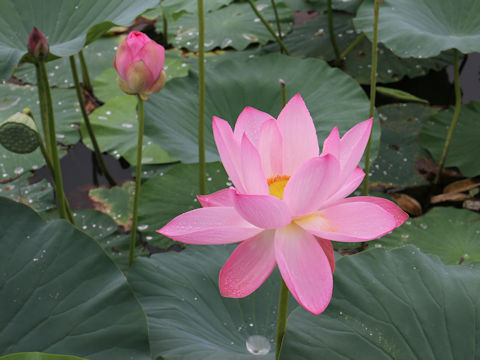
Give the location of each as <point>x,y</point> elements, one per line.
<point>68,25</point>
<point>464,148</point>
<point>451,234</point>
<point>400,304</point>
<point>333,99</point>
<point>400,161</point>
<point>234,26</point>
<point>412,28</point>
<point>190,320</point>
<point>60,293</point>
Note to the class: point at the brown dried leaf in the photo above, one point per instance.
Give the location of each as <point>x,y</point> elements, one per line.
<point>448,197</point>
<point>408,204</point>
<point>461,186</point>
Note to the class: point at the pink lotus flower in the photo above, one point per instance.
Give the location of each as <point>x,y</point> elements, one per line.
<point>139,62</point>
<point>288,202</point>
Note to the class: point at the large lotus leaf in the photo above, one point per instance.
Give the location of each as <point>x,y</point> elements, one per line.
<point>399,160</point>
<point>175,192</point>
<point>412,28</point>
<point>401,304</point>
<point>452,234</point>
<point>67,24</point>
<point>98,56</point>
<point>464,150</point>
<point>234,26</point>
<point>190,320</point>
<point>60,293</point>
<point>39,196</point>
<point>333,99</point>
<point>115,127</point>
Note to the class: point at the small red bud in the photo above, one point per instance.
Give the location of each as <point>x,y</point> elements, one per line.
<point>37,44</point>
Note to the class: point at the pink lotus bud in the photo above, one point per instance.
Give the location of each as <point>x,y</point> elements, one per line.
<point>37,44</point>
<point>139,62</point>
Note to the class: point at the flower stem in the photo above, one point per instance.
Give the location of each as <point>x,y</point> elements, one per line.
<point>165,30</point>
<point>46,107</point>
<point>138,180</point>
<point>269,27</point>
<point>373,89</point>
<point>282,318</point>
<point>87,84</point>
<point>277,19</point>
<point>283,89</point>
<point>331,31</point>
<point>201,100</point>
<point>43,109</point>
<point>352,46</point>
<point>88,125</point>
<point>456,114</point>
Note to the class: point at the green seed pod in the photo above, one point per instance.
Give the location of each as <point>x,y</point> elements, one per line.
<point>19,134</point>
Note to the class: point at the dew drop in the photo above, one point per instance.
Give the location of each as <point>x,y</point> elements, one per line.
<point>258,345</point>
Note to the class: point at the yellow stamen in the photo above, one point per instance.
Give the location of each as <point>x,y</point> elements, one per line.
<point>276,185</point>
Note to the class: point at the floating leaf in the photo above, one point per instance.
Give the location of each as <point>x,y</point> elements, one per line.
<point>391,68</point>
<point>234,26</point>
<point>170,194</point>
<point>312,38</point>
<point>115,126</point>
<point>464,150</point>
<point>116,202</point>
<point>39,196</point>
<point>400,159</point>
<point>452,234</point>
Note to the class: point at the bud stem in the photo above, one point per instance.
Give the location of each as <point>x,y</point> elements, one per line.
<point>138,180</point>
<point>46,109</point>
<point>87,84</point>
